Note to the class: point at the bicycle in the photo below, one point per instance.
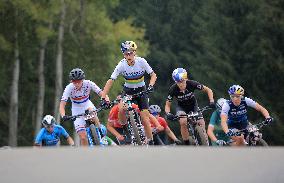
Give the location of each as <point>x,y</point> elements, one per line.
<point>252,135</point>
<point>135,128</point>
<point>94,132</point>
<point>196,132</point>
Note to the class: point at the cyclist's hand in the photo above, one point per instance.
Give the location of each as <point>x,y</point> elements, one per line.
<point>170,116</point>
<point>104,103</point>
<point>212,105</point>
<point>150,88</point>
<point>65,118</point>
<point>268,120</point>
<point>220,142</point>
<point>231,133</point>
<point>178,142</point>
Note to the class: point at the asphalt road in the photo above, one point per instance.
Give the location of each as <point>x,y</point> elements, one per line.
<point>142,165</point>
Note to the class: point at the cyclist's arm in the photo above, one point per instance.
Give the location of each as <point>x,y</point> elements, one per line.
<point>156,122</point>
<point>38,139</point>
<point>112,130</point>
<point>209,93</point>
<point>171,134</point>
<point>261,109</point>
<point>70,141</point>
<point>210,130</point>
<point>62,107</point>
<point>224,125</point>
<point>153,79</point>
<point>168,106</point>
<point>107,87</point>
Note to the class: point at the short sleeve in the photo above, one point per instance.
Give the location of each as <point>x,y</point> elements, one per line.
<point>38,139</point>
<point>66,93</point>
<point>116,71</point>
<point>146,66</point>
<point>250,102</point>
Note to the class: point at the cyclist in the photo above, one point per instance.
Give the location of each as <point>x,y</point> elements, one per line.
<point>155,111</point>
<point>133,68</point>
<point>117,123</point>
<point>50,134</point>
<point>183,91</point>
<point>79,93</point>
<point>106,141</point>
<point>214,130</point>
<point>234,113</point>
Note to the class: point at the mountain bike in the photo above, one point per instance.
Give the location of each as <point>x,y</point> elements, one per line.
<point>135,129</point>
<point>197,134</point>
<point>94,131</point>
<point>253,136</point>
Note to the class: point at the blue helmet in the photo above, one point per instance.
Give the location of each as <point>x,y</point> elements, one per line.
<point>179,74</point>
<point>103,130</point>
<point>128,46</point>
<point>154,109</point>
<point>236,90</point>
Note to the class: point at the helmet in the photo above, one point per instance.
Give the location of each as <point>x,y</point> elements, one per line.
<point>179,74</point>
<point>154,109</point>
<point>128,46</point>
<point>48,120</point>
<point>103,130</point>
<point>219,103</point>
<point>76,74</point>
<point>236,90</point>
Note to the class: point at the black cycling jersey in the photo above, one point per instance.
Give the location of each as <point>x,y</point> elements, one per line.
<point>186,98</point>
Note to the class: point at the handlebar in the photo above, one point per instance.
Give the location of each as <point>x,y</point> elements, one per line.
<point>192,114</point>
<point>127,97</point>
<point>251,128</point>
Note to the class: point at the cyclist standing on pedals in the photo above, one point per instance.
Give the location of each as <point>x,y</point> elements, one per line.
<point>155,111</point>
<point>183,90</point>
<point>234,114</point>
<point>215,131</point>
<point>50,134</point>
<point>133,68</point>
<point>79,93</point>
<point>117,122</point>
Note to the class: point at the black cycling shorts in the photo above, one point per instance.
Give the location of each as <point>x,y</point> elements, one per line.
<point>142,101</point>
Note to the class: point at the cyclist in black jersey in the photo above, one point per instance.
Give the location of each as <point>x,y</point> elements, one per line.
<point>183,92</point>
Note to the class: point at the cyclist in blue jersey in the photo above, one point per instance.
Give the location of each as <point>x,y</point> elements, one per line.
<point>234,113</point>
<point>214,130</point>
<point>50,134</point>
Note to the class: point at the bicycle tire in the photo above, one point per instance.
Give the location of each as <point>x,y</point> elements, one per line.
<point>95,134</point>
<point>134,128</point>
<point>261,142</point>
<point>201,138</point>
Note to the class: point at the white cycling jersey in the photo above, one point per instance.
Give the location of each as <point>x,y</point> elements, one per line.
<point>249,102</point>
<point>80,100</point>
<point>133,75</point>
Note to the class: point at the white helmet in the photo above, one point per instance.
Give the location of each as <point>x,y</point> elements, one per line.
<point>220,102</point>
<point>154,109</point>
<point>48,120</point>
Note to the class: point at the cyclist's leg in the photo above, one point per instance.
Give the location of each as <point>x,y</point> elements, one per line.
<point>81,131</point>
<point>183,125</point>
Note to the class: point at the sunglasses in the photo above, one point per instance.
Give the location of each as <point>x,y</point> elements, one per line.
<point>128,53</point>
<point>235,96</point>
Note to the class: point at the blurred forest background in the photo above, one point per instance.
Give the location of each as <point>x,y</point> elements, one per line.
<point>219,42</point>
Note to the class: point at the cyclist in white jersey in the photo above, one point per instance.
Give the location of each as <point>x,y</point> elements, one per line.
<point>133,68</point>
<point>79,93</point>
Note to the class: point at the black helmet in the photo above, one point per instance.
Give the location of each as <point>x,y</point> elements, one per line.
<point>76,74</point>
<point>48,120</point>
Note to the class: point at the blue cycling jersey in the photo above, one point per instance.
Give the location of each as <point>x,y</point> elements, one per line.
<point>46,138</point>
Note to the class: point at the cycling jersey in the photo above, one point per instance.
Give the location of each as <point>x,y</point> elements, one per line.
<point>186,100</point>
<point>133,75</point>
<point>51,139</point>
<point>106,141</point>
<point>215,121</point>
<point>237,115</point>
<point>80,100</point>
<point>113,115</point>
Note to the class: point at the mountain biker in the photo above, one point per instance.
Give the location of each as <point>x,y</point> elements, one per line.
<point>183,91</point>
<point>106,141</point>
<point>79,93</point>
<point>155,111</point>
<point>133,68</point>
<point>117,122</point>
<point>234,113</point>
<point>50,134</point>
<point>214,130</point>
